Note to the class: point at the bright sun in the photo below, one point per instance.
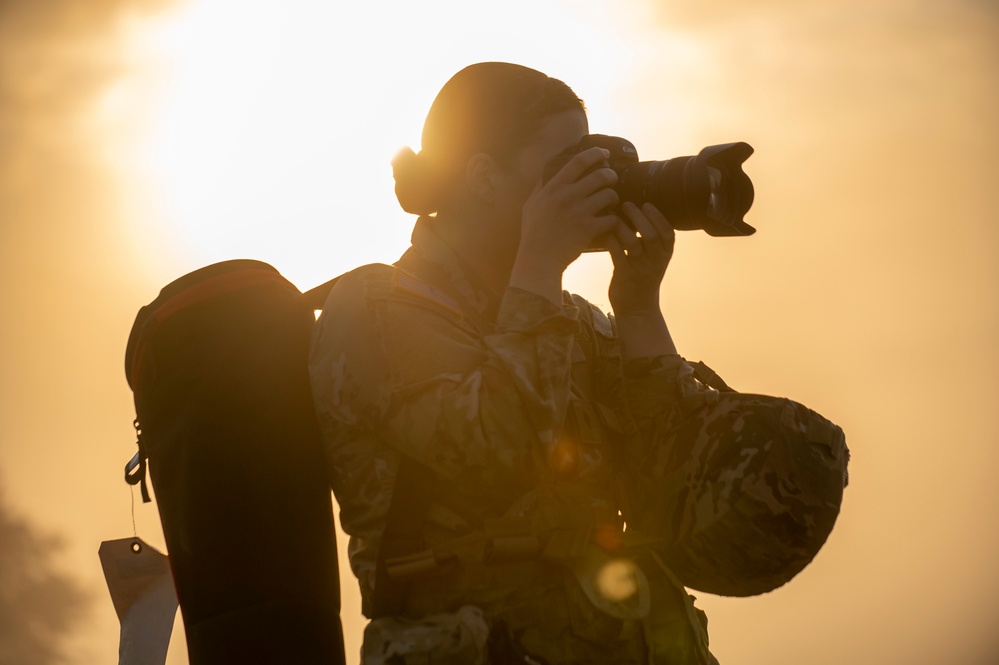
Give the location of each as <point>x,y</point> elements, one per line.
<point>276,123</point>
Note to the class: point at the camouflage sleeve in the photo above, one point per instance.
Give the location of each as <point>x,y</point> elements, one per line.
<point>659,394</point>
<point>653,386</point>
<point>662,384</point>
<point>651,397</point>
<point>403,367</point>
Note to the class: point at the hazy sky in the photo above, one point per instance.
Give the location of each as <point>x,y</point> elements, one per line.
<point>140,140</point>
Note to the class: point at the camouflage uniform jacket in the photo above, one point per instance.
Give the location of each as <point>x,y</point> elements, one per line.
<point>535,433</point>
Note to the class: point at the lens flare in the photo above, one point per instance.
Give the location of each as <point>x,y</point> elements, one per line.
<point>617,581</point>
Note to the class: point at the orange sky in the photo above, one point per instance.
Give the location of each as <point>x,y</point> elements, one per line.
<point>140,140</point>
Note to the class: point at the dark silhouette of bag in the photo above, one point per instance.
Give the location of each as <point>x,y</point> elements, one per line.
<point>218,364</point>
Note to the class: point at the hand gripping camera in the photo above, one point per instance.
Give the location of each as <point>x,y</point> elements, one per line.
<point>708,192</point>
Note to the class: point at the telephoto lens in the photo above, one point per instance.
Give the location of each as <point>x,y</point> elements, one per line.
<point>708,192</point>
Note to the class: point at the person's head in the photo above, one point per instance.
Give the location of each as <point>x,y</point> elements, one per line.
<point>488,111</point>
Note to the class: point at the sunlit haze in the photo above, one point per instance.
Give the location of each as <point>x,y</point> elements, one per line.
<point>140,140</point>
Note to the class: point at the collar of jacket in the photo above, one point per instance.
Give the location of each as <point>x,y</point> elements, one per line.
<point>432,260</point>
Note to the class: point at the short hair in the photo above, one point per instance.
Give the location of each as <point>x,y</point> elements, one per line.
<point>490,107</point>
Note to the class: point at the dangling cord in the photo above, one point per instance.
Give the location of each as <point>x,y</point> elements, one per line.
<point>135,469</point>
<point>135,474</point>
<point>131,495</point>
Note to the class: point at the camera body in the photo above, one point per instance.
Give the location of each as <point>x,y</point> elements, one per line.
<point>709,191</point>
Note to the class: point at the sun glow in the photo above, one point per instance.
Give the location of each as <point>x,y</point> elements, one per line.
<point>277,123</point>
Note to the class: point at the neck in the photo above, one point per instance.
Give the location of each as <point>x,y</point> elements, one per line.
<point>481,244</point>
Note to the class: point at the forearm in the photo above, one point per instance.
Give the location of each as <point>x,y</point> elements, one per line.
<point>644,335</point>
<point>537,277</point>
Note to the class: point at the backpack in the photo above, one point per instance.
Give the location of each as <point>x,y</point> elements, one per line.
<point>218,365</point>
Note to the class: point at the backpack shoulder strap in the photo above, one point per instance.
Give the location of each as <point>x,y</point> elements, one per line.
<point>403,532</point>
<point>316,297</point>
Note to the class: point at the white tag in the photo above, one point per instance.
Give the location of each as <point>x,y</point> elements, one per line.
<point>144,597</point>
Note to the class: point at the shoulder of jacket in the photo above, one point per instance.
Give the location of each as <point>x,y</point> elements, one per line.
<point>408,285</point>
<point>357,284</point>
<point>379,281</point>
<point>592,316</point>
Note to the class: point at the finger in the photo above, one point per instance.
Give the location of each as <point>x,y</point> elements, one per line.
<point>661,225</point>
<point>638,220</point>
<point>616,249</point>
<point>657,234</point>
<point>605,225</point>
<point>578,165</point>
<point>627,238</point>
<point>595,180</point>
<point>643,236</point>
<point>599,201</point>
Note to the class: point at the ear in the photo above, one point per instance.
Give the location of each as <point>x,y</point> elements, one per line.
<point>480,176</point>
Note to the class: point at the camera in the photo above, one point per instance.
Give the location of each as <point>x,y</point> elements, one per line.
<point>709,192</point>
